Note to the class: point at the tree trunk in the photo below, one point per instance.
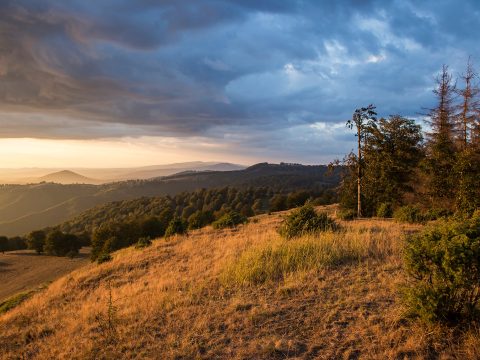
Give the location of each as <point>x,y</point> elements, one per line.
<point>359,175</point>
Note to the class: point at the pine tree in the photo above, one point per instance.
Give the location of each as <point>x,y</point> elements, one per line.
<point>441,149</point>
<point>363,119</point>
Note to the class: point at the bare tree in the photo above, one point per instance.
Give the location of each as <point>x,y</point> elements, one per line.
<point>467,118</point>
<point>363,119</point>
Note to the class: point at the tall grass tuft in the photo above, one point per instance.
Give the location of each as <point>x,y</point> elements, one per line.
<point>278,259</point>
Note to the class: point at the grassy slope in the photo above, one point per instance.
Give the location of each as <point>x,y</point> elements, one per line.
<point>177,300</point>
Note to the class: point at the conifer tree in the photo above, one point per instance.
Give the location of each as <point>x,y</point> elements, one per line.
<point>468,115</point>
<point>441,149</point>
<point>363,120</point>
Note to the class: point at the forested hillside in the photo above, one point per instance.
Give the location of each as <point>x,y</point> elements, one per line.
<point>28,207</point>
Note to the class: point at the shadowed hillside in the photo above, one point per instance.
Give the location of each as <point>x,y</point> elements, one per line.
<point>27,207</point>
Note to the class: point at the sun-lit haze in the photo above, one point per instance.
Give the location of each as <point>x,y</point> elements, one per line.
<point>131,83</point>
<point>123,152</point>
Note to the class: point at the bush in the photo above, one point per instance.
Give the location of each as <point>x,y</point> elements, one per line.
<point>444,264</point>
<point>384,210</point>
<point>103,258</point>
<point>346,214</point>
<point>177,226</point>
<point>304,221</point>
<point>200,219</point>
<point>410,214</point>
<point>229,220</point>
<point>143,242</point>
<point>435,214</point>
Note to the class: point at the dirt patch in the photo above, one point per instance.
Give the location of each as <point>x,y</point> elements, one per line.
<point>24,270</point>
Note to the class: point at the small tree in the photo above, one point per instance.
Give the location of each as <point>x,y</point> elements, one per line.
<point>36,241</point>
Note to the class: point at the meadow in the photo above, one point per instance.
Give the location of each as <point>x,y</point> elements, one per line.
<point>241,293</point>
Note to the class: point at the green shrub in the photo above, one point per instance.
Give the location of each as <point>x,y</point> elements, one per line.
<point>104,257</point>
<point>346,214</point>
<point>304,221</point>
<point>409,213</point>
<point>435,214</point>
<point>229,220</point>
<point>143,242</point>
<point>444,264</point>
<point>384,210</point>
<point>177,226</point>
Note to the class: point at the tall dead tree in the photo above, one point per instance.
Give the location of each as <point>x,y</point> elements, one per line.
<point>468,115</point>
<point>363,119</point>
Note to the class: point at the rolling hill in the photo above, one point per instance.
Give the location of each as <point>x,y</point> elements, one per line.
<point>24,208</point>
<point>237,294</point>
<point>67,177</point>
<point>98,176</point>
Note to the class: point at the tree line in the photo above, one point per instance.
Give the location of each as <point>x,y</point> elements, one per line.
<point>398,164</point>
<point>120,224</point>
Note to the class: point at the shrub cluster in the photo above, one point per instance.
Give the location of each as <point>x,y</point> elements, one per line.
<point>229,220</point>
<point>143,242</point>
<point>384,210</point>
<point>413,214</point>
<point>177,226</point>
<point>305,221</point>
<point>12,244</point>
<point>346,214</point>
<point>409,214</point>
<point>444,264</point>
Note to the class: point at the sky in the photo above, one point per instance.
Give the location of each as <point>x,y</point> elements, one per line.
<point>111,83</point>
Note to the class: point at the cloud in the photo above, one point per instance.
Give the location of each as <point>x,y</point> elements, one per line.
<point>247,73</point>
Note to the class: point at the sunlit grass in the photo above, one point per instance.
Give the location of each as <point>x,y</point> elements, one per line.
<point>277,259</point>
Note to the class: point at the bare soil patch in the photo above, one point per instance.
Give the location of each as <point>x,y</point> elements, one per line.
<point>24,270</point>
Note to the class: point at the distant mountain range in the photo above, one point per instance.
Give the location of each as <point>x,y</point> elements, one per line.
<point>24,208</point>
<point>101,176</point>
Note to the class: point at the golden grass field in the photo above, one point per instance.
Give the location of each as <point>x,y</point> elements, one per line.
<point>237,294</point>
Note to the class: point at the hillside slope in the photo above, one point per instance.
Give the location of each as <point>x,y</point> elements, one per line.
<point>24,208</point>
<point>174,300</point>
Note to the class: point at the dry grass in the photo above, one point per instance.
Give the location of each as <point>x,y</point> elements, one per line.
<point>168,302</point>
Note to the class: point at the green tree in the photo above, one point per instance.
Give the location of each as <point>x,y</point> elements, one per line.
<point>177,226</point>
<point>36,241</point>
<point>4,245</point>
<point>441,150</point>
<point>60,244</point>
<point>392,155</point>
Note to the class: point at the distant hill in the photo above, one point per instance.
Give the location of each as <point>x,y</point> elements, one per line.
<point>159,171</point>
<point>99,176</point>
<point>24,208</point>
<point>67,177</point>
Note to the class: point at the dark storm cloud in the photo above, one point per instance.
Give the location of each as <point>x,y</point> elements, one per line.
<point>213,68</point>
